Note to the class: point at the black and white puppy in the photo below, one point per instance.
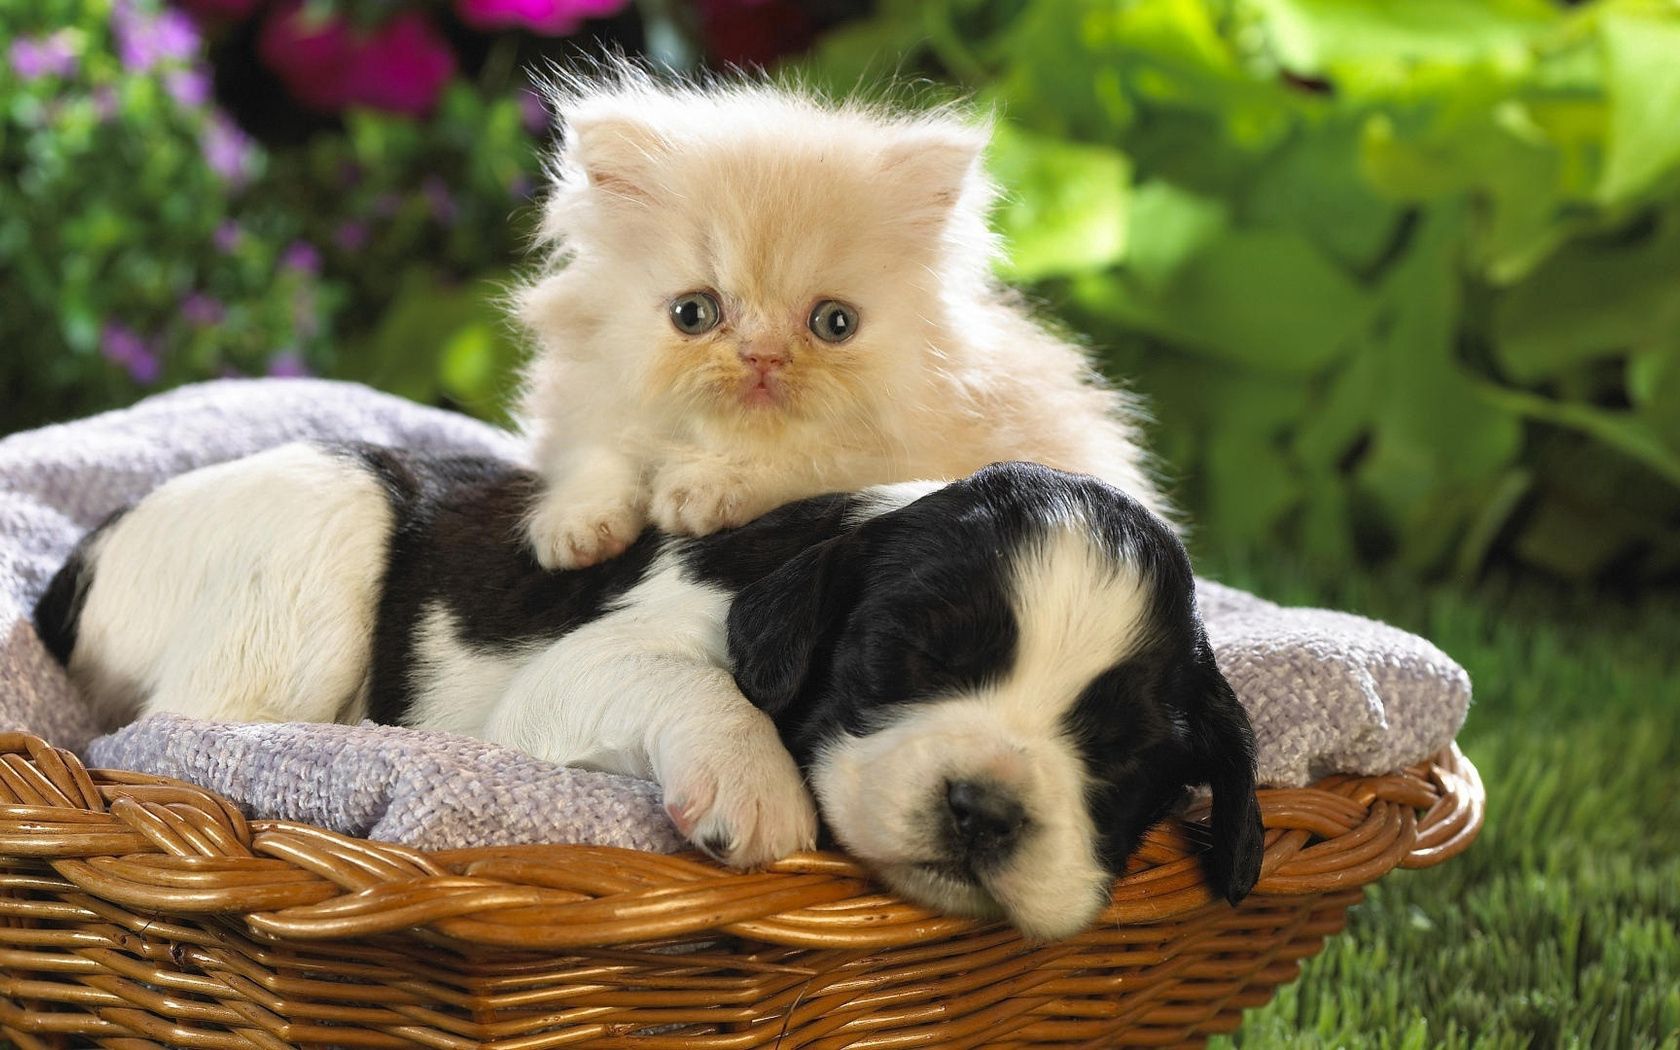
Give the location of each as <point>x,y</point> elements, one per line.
<point>993,686</point>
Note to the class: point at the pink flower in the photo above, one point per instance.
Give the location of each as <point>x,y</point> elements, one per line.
<point>400,67</point>
<point>547,17</point>
<point>403,67</point>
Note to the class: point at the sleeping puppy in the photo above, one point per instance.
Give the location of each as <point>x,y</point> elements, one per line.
<point>992,686</point>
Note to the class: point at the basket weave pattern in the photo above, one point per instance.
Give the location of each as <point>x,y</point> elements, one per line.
<point>137,911</point>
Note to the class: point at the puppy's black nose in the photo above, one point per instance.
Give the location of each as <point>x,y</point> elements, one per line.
<point>987,820</point>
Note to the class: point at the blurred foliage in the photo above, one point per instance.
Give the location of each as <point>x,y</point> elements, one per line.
<point>1401,281</point>
<point>422,223</point>
<point>146,240</point>
<point>129,257</point>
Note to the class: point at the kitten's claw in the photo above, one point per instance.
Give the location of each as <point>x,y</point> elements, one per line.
<point>695,501</point>
<point>571,534</point>
<point>739,798</point>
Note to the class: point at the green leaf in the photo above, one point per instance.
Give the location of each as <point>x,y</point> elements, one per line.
<point>1168,226</point>
<point>1263,299</point>
<point>1314,184</point>
<point>1066,210</point>
<point>1642,58</point>
<point>1592,299</point>
<point>1624,431</point>
<point>1323,36</point>
<point>1435,443</point>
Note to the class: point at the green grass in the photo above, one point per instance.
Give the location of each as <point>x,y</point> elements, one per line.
<point>1558,927</point>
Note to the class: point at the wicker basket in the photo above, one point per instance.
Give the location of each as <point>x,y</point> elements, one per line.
<point>137,911</point>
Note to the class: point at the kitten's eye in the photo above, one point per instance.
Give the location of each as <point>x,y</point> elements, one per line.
<point>695,313</point>
<point>833,321</point>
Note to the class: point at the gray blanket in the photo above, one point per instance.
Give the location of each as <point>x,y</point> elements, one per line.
<point>1326,691</point>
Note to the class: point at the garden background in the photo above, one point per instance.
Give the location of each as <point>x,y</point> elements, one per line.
<point>1400,281</point>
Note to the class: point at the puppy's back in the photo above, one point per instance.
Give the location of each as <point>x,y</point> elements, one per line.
<point>245,591</point>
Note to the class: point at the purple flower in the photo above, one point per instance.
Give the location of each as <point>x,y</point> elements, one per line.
<point>288,364</point>
<point>144,41</point>
<point>227,149</point>
<point>228,236</point>
<point>34,58</point>
<point>202,310</point>
<point>302,257</point>
<point>123,346</point>
<point>352,235</point>
<point>188,87</point>
<point>438,197</point>
<point>533,112</point>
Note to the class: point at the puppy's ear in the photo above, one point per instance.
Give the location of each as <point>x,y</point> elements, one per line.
<point>1223,743</point>
<point>779,626</point>
<point>618,152</point>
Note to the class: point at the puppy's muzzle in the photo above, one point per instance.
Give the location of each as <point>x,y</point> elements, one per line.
<point>984,822</point>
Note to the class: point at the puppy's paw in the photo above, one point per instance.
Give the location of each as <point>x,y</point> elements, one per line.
<point>740,798</point>
<point>570,530</point>
<point>693,499</point>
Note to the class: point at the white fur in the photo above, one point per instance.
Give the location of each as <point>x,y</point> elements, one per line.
<point>776,200</point>
<point>244,591</point>
<point>1079,612</point>
<point>644,690</point>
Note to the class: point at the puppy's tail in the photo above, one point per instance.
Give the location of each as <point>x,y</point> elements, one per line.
<point>59,612</point>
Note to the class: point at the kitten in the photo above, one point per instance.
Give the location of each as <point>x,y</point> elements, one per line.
<point>755,295</point>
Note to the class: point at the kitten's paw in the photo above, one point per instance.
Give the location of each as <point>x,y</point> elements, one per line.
<point>569,533</point>
<point>740,798</point>
<point>692,500</point>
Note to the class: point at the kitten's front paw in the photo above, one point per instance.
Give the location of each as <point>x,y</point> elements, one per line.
<point>570,533</point>
<point>694,500</point>
<point>740,798</point>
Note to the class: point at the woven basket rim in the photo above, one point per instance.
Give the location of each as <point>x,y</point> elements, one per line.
<point>167,847</point>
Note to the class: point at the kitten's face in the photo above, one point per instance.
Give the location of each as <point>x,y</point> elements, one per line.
<point>759,262</point>
<point>784,295</point>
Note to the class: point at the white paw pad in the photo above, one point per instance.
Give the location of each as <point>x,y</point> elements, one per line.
<point>743,802</point>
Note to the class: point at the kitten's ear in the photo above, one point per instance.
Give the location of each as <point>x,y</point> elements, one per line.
<point>618,152</point>
<point>932,165</point>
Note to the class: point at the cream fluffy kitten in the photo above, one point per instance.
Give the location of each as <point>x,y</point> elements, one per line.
<point>755,295</point>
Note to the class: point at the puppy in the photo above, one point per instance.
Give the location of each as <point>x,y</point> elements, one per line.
<point>993,686</point>
<point>754,296</point>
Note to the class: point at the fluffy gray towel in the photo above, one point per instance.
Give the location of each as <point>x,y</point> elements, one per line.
<point>1326,691</point>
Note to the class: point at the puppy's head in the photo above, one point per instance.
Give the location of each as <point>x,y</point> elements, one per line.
<point>752,255</point>
<point>996,689</point>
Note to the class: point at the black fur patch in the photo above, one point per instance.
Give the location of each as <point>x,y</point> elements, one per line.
<point>58,613</point>
<point>460,541</point>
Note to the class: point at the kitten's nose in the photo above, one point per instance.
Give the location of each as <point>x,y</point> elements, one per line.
<point>986,819</point>
<point>764,357</point>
